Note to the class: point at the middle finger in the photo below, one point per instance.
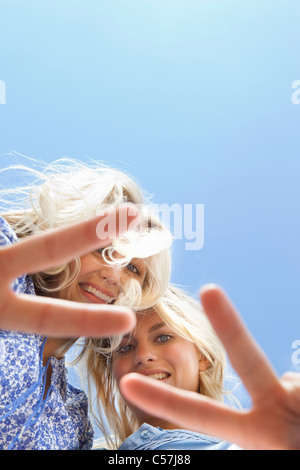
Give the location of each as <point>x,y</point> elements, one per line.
<point>245,355</point>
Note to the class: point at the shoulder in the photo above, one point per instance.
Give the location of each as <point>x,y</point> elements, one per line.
<point>7,234</point>
<point>17,347</point>
<point>23,284</point>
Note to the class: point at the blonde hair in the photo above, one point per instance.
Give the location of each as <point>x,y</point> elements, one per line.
<point>67,191</point>
<point>185,316</point>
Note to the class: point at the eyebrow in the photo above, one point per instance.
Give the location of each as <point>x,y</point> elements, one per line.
<point>153,328</point>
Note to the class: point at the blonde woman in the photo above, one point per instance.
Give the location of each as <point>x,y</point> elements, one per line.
<point>38,408</point>
<point>173,343</point>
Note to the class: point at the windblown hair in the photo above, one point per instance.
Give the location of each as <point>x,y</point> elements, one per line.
<point>184,316</point>
<point>68,191</point>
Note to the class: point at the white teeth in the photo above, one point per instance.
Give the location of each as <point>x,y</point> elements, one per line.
<point>97,293</point>
<point>159,376</point>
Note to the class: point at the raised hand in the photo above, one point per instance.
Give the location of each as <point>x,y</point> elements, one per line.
<point>54,317</point>
<point>273,422</point>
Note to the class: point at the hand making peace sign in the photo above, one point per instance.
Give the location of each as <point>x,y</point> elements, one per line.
<point>55,317</point>
<point>273,422</point>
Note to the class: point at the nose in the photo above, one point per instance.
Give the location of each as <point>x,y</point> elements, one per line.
<point>111,274</point>
<point>144,355</point>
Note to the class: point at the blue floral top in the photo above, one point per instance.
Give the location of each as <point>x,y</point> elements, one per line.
<point>28,420</point>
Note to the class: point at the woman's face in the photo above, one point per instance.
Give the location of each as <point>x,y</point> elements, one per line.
<point>155,350</point>
<point>102,283</point>
<point>98,283</point>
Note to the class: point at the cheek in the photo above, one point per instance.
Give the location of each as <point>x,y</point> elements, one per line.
<point>125,276</point>
<point>119,369</point>
<point>187,368</point>
<point>88,263</point>
<point>67,293</point>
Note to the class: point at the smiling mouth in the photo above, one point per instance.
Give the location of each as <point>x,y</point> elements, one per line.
<point>97,293</point>
<point>159,376</point>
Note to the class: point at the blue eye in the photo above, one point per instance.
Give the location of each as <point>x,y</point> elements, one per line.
<point>124,349</point>
<point>133,268</point>
<point>164,338</point>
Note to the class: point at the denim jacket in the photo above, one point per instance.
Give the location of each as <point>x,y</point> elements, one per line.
<point>150,438</point>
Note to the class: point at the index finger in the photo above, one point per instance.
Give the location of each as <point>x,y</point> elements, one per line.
<point>39,252</point>
<point>245,355</point>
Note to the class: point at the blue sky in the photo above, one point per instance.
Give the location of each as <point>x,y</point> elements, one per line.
<point>193,98</point>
